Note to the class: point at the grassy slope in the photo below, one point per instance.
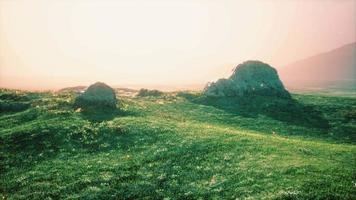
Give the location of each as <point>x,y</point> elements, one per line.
<point>168,147</point>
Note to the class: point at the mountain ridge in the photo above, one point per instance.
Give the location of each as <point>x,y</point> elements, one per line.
<point>333,68</point>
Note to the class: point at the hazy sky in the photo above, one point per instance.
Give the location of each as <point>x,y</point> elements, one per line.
<point>47,44</point>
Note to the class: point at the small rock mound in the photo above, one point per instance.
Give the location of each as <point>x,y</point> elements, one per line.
<point>149,93</point>
<point>248,79</point>
<point>98,95</point>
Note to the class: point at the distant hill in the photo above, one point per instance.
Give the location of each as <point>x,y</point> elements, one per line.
<point>73,89</point>
<point>119,90</point>
<point>333,69</point>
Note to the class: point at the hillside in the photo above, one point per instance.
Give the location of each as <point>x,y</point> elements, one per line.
<point>172,147</point>
<point>332,69</point>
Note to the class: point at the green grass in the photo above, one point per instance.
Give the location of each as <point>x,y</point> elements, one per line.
<point>173,147</point>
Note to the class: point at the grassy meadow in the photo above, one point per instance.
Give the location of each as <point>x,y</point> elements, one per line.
<point>177,146</point>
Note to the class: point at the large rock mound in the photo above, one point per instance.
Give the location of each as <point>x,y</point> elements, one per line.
<point>248,79</point>
<point>98,95</point>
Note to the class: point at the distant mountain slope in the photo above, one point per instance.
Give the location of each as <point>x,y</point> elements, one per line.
<point>119,90</point>
<point>73,89</point>
<point>336,68</point>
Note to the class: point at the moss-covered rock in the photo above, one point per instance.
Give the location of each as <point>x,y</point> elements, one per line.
<point>249,78</point>
<point>98,95</point>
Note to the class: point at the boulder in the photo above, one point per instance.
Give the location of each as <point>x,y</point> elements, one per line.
<point>98,95</point>
<point>248,79</point>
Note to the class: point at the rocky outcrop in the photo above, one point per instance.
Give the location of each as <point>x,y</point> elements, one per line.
<point>98,95</point>
<point>248,79</point>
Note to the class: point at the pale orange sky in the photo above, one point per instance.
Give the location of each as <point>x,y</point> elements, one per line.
<point>47,44</point>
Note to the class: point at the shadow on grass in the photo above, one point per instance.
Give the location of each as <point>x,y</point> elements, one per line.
<point>289,111</point>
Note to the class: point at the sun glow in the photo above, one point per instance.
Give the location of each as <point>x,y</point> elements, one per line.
<point>53,44</point>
